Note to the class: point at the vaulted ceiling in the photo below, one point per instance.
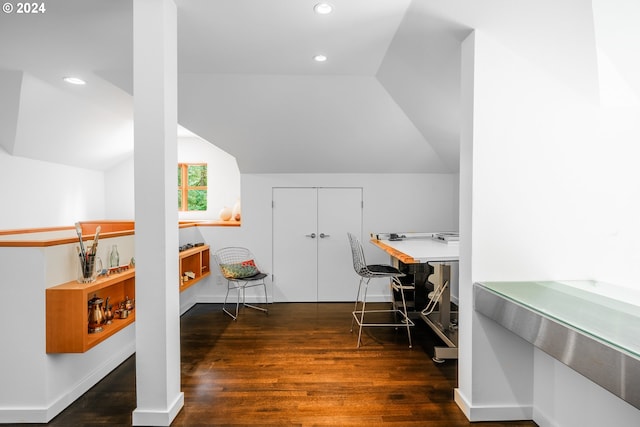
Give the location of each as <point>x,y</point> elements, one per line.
<point>386,100</point>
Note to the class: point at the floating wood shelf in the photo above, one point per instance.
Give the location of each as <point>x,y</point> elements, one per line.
<point>67,304</point>
<point>197,261</point>
<point>67,312</point>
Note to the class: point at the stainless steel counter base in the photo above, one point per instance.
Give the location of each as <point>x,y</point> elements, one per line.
<point>608,366</point>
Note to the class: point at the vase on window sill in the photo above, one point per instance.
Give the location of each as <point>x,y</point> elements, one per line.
<point>236,212</point>
<point>225,214</point>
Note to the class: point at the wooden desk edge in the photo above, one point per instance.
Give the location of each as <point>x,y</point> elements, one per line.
<point>401,256</point>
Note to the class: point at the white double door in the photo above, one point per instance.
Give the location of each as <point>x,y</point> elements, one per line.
<point>311,253</point>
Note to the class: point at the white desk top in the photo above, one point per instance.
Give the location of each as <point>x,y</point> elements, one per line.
<point>421,250</point>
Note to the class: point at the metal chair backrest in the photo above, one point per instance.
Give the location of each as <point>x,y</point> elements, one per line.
<point>359,263</point>
<point>233,255</point>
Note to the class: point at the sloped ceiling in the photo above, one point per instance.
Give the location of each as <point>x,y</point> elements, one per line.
<point>421,71</point>
<point>89,126</point>
<point>253,90</point>
<point>385,101</point>
<point>300,123</point>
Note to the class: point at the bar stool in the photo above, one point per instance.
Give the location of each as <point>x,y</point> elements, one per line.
<point>376,271</point>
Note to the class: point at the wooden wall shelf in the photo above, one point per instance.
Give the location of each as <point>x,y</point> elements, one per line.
<point>67,304</point>
<point>67,312</point>
<point>196,260</point>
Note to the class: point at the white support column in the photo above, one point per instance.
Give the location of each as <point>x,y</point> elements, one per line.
<point>159,398</point>
<point>464,393</point>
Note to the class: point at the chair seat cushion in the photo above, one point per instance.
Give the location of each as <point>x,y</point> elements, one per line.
<point>250,278</point>
<point>240,270</point>
<point>382,268</point>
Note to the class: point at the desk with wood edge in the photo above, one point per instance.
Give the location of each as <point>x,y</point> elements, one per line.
<point>394,252</point>
<point>440,255</point>
<point>419,250</point>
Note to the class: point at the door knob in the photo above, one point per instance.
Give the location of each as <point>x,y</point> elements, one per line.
<point>322,235</point>
<point>312,235</point>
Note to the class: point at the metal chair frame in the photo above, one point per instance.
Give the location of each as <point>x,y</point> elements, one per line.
<point>376,271</point>
<point>237,255</point>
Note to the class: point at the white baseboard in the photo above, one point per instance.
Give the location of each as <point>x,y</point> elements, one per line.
<point>543,421</point>
<point>209,299</point>
<point>492,413</point>
<point>142,417</point>
<point>186,305</point>
<point>254,299</point>
<point>23,415</point>
<point>47,413</point>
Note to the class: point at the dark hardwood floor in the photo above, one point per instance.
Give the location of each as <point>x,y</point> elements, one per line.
<point>298,366</point>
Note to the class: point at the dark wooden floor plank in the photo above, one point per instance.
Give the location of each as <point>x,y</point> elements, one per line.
<point>298,366</point>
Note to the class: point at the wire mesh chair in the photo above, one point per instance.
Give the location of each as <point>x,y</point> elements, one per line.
<point>238,266</point>
<point>375,271</point>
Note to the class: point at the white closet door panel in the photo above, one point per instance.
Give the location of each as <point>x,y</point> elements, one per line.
<point>339,212</point>
<point>295,266</point>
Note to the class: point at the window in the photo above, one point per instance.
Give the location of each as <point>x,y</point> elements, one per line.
<point>192,186</point>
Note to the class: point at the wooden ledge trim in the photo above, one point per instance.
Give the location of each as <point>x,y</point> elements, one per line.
<point>33,230</point>
<point>110,228</point>
<point>54,242</point>
<point>210,223</point>
<point>394,252</point>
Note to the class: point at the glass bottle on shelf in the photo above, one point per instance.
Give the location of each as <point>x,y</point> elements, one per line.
<point>114,258</point>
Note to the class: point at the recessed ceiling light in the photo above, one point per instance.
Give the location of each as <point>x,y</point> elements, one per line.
<point>323,8</point>
<point>320,58</point>
<point>74,80</point>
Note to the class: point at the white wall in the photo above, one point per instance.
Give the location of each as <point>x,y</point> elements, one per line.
<point>51,194</point>
<point>42,194</point>
<point>548,191</point>
<point>392,202</point>
<point>223,176</point>
<point>10,86</point>
<point>44,384</point>
<point>223,181</point>
<point>119,191</point>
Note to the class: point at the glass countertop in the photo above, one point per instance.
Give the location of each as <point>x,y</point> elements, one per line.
<point>581,304</point>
